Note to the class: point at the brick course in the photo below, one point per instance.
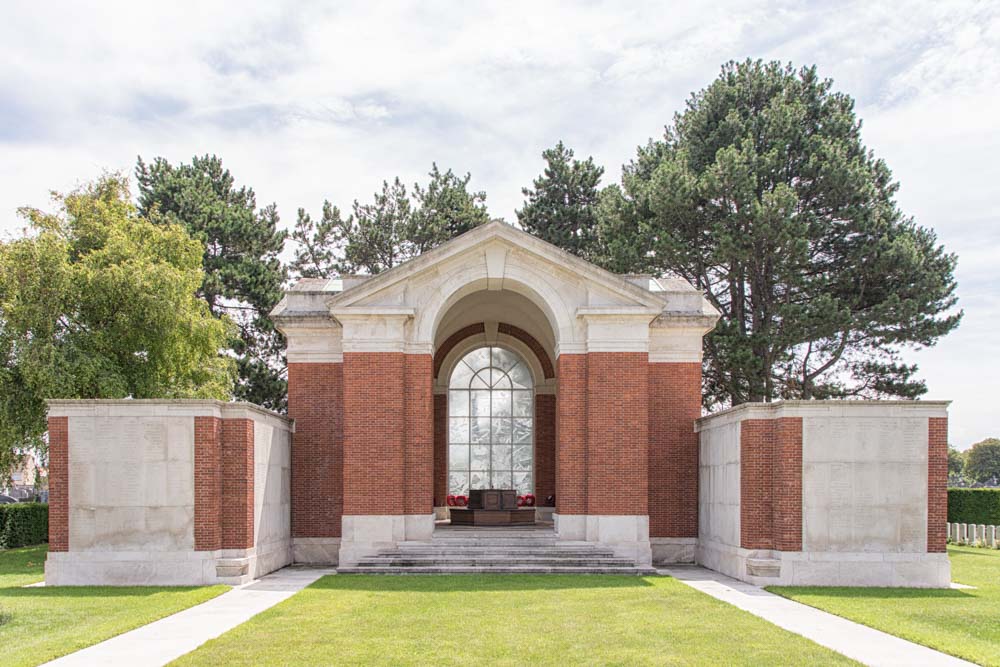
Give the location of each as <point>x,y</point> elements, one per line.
<point>316,403</point>
<point>207,483</point>
<point>937,484</point>
<point>571,434</point>
<point>440,449</point>
<point>58,483</point>
<point>237,490</point>
<point>418,467</point>
<point>617,433</point>
<point>545,447</point>
<point>374,432</point>
<point>771,484</point>
<point>674,405</point>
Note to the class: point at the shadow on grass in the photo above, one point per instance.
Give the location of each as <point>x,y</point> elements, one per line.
<point>871,593</point>
<point>475,582</point>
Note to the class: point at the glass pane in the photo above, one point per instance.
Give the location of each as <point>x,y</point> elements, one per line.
<point>460,376</point>
<point>501,457</point>
<point>502,479</point>
<point>458,403</point>
<point>481,429</point>
<point>522,482</point>
<point>521,377</point>
<point>480,403</point>
<point>522,431</point>
<point>480,457</point>
<point>501,404</point>
<point>522,404</point>
<point>504,359</point>
<point>479,480</point>
<point>458,430</point>
<point>522,457</point>
<point>478,359</point>
<point>458,457</point>
<point>481,381</point>
<point>501,430</point>
<point>500,380</point>
<point>458,483</point>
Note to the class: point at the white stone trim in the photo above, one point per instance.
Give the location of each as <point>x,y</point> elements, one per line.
<point>314,344</point>
<point>177,407</point>
<point>675,345</point>
<point>673,549</point>
<point>316,550</point>
<point>626,534</point>
<point>798,568</point>
<point>826,408</point>
<point>366,535</point>
<point>374,329</point>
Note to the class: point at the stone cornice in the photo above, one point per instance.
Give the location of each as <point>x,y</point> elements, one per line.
<point>824,408</point>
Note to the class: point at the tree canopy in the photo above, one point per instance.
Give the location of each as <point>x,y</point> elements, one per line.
<point>394,227</point>
<point>762,194</point>
<point>982,461</point>
<point>244,274</point>
<point>97,301</point>
<point>561,206</point>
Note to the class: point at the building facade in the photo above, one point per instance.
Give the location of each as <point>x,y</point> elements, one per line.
<point>497,361</point>
<point>598,386</point>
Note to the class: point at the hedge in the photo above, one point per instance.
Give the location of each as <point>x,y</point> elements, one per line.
<point>979,506</point>
<point>23,524</point>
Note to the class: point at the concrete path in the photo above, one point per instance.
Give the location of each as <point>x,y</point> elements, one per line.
<point>856,641</point>
<point>169,638</point>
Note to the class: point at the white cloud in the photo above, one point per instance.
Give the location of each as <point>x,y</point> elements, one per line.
<point>317,101</point>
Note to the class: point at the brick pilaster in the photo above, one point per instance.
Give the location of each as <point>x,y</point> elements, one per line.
<point>937,484</point>
<point>545,447</point>
<point>440,449</point>
<point>315,402</point>
<point>58,483</point>
<point>237,492</point>
<point>674,405</point>
<point>207,483</point>
<point>771,484</point>
<point>418,465</point>
<point>571,434</point>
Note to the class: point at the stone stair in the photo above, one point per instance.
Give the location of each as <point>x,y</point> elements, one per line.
<point>495,551</point>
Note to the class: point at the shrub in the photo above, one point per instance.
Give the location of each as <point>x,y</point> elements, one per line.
<point>23,524</point>
<point>979,506</point>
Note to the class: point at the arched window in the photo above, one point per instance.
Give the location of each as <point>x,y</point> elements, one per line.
<point>491,423</point>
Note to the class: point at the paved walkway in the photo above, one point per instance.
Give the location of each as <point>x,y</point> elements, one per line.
<point>854,640</point>
<point>169,638</point>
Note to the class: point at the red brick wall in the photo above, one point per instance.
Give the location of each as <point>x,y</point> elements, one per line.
<point>571,434</point>
<point>207,483</point>
<point>374,432</point>
<point>756,483</point>
<point>316,403</point>
<point>545,446</point>
<point>937,484</point>
<point>58,483</point>
<point>771,484</point>
<point>418,468</point>
<point>237,472</point>
<point>674,405</point>
<point>617,432</point>
<point>440,449</point>
<point>787,484</point>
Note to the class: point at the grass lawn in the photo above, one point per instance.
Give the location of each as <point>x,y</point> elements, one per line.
<point>39,624</point>
<point>506,620</point>
<point>965,623</point>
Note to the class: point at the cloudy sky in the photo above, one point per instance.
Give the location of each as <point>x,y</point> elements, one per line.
<point>323,101</point>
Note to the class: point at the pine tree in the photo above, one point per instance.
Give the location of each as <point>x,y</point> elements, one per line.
<point>763,195</point>
<point>561,207</point>
<point>243,272</point>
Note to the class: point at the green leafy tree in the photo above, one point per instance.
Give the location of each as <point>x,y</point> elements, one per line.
<point>393,228</point>
<point>561,206</point>
<point>763,195</point>
<point>956,462</point>
<point>243,272</point>
<point>982,461</point>
<point>97,301</point>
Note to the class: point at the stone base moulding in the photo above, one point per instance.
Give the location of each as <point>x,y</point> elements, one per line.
<point>668,550</point>
<point>316,550</point>
<point>798,568</point>
<point>366,535</point>
<point>627,535</point>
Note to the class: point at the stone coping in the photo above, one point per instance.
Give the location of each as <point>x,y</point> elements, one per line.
<point>165,407</point>
<point>823,408</point>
